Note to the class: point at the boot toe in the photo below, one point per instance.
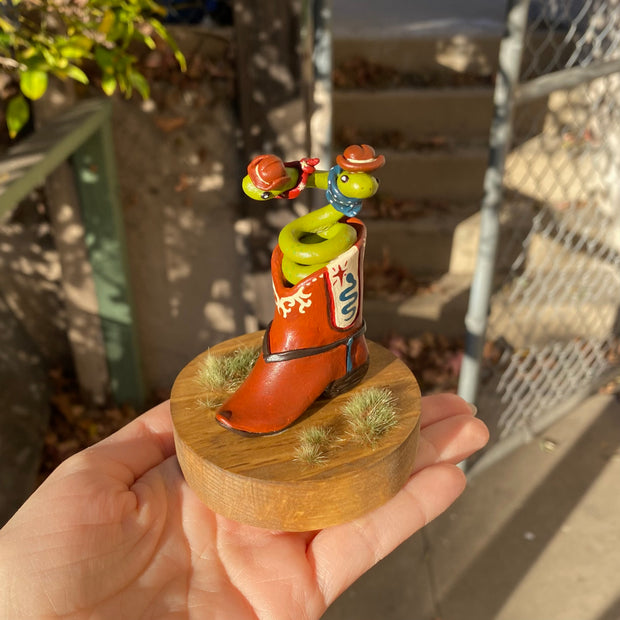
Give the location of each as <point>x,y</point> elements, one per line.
<point>241,426</point>
<point>224,417</point>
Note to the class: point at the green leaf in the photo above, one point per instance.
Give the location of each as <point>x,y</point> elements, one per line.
<point>129,32</point>
<point>138,81</point>
<point>181,60</point>
<point>6,25</point>
<point>75,73</point>
<point>48,57</point>
<point>104,58</point>
<point>108,84</point>
<point>29,52</point>
<point>6,41</point>
<point>33,83</point>
<point>158,27</point>
<point>117,32</point>
<point>72,51</point>
<point>146,39</point>
<point>17,114</point>
<point>163,33</point>
<point>81,40</point>
<point>107,22</point>
<point>124,85</point>
<point>153,7</point>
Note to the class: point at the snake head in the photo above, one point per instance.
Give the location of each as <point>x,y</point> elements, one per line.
<point>357,184</point>
<point>256,193</point>
<point>267,178</point>
<point>357,161</point>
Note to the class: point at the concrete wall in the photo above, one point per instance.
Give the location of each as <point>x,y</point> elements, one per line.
<point>179,183</point>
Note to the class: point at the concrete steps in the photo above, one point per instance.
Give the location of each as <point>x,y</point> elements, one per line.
<point>424,247</point>
<point>564,284</point>
<point>440,310</point>
<point>417,112</point>
<point>419,88</point>
<point>425,102</point>
<point>431,56</point>
<point>454,175</point>
<point>559,308</point>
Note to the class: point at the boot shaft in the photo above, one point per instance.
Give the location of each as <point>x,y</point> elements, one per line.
<point>323,307</point>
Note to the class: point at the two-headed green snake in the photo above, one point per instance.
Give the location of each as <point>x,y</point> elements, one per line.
<point>311,241</point>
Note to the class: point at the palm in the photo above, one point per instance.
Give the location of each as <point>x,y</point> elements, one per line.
<point>124,536</point>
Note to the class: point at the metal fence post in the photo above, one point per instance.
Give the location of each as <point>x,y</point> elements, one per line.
<point>548,309</point>
<point>510,53</point>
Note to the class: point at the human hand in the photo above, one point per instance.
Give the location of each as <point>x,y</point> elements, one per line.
<point>115,532</point>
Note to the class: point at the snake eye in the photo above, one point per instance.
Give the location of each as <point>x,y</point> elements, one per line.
<point>265,195</point>
<point>344,178</point>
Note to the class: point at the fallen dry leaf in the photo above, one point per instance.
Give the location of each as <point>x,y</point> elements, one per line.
<point>169,124</point>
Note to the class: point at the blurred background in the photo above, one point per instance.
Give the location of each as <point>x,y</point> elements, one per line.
<point>492,269</point>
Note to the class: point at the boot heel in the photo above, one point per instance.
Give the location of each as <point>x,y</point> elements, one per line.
<point>344,384</point>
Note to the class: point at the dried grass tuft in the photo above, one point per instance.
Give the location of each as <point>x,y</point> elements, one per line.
<point>314,442</point>
<point>370,414</point>
<point>221,375</point>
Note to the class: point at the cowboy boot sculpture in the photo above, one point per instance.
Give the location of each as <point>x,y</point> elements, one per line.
<point>315,344</point>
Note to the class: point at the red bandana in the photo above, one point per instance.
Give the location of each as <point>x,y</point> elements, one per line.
<point>306,166</point>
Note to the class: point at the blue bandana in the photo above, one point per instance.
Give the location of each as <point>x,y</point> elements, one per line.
<point>349,206</point>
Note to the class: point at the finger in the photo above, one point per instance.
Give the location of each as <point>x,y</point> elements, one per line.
<point>450,440</point>
<point>139,446</point>
<point>343,553</point>
<point>441,406</point>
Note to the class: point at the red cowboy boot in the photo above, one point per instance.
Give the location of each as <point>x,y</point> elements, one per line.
<point>314,345</point>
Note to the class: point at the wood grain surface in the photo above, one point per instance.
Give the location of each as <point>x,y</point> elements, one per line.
<point>258,481</point>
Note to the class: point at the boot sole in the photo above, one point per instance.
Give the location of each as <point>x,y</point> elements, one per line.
<point>344,384</point>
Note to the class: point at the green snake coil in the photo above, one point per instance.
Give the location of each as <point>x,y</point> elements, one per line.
<point>311,241</point>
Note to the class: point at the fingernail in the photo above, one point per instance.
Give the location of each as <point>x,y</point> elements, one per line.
<point>473,408</point>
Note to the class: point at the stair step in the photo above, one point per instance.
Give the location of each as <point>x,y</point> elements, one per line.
<point>539,307</point>
<point>440,310</point>
<point>455,174</point>
<point>580,241</point>
<point>515,224</point>
<point>453,113</point>
<point>424,246</point>
<point>439,58</point>
<point>444,59</point>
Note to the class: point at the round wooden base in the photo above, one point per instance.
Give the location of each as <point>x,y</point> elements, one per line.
<point>258,481</point>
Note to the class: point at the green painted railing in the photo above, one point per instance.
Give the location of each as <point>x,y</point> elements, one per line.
<point>83,137</point>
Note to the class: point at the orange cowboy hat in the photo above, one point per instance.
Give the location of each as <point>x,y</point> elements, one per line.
<point>268,172</point>
<point>360,158</point>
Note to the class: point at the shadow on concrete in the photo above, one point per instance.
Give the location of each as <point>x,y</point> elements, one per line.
<point>24,412</point>
<point>494,574</point>
<point>612,612</point>
<point>397,588</point>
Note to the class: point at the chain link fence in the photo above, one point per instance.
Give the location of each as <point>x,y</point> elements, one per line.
<point>552,325</point>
